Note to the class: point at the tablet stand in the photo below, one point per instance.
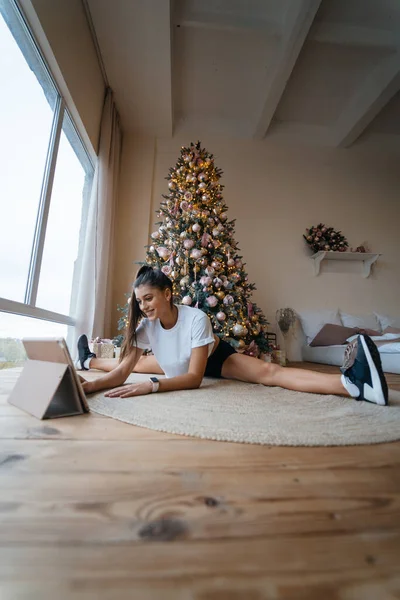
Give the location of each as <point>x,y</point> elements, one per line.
<point>46,390</point>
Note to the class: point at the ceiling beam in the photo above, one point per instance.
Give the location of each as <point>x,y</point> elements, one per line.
<point>369,99</point>
<point>296,28</point>
<point>352,35</point>
<point>209,17</point>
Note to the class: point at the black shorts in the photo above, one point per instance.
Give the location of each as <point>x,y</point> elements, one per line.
<point>217,359</point>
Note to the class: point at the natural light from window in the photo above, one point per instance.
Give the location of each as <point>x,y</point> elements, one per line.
<point>27,109</point>
<point>25,125</point>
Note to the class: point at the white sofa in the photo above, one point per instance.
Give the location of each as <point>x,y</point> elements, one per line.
<point>311,322</point>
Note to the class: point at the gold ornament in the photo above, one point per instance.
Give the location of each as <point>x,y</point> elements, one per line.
<point>241,343</point>
<point>220,295</point>
<point>254,318</point>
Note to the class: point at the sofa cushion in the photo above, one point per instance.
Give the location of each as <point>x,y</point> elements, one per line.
<point>392,330</point>
<point>332,335</point>
<point>386,321</point>
<point>361,321</point>
<point>312,321</point>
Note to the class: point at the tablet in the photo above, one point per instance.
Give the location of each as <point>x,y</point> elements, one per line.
<point>55,350</point>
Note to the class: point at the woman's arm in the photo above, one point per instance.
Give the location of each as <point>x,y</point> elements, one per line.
<point>189,381</point>
<point>117,376</point>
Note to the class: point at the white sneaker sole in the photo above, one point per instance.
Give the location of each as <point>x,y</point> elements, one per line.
<point>375,393</point>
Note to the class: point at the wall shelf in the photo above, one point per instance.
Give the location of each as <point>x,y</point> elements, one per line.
<point>366,258</point>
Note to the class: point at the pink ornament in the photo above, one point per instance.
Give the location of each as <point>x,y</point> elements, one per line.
<point>216,232</point>
<point>221,316</point>
<point>155,235</point>
<point>195,253</point>
<point>205,280</point>
<point>166,269</point>
<point>228,300</point>
<point>187,300</point>
<point>202,185</point>
<point>188,244</point>
<point>217,282</point>
<point>196,227</point>
<point>188,196</point>
<point>238,263</point>
<point>230,262</point>
<point>212,301</point>
<point>205,239</point>
<point>184,205</point>
<point>210,271</point>
<point>216,264</point>
<point>163,252</point>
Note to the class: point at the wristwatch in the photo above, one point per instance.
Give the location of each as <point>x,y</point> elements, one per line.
<point>155,383</point>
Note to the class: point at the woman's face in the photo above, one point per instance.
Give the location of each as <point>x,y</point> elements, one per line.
<point>153,302</point>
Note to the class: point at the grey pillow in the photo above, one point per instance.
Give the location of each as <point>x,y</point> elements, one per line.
<point>336,335</point>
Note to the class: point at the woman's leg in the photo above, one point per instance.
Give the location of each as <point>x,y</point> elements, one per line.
<point>253,370</point>
<point>145,364</point>
<point>103,364</point>
<point>148,364</point>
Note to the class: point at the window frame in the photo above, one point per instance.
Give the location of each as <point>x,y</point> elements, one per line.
<point>61,114</point>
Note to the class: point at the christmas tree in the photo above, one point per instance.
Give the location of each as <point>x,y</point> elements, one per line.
<point>195,248</point>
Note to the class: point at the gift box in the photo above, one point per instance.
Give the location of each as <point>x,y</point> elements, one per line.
<point>103,348</point>
<point>279,357</point>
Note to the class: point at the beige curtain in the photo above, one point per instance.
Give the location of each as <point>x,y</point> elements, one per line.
<point>93,309</point>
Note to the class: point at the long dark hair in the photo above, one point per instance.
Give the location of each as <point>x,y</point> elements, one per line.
<point>145,276</point>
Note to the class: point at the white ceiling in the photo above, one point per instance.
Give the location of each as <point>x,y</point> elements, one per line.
<point>326,70</point>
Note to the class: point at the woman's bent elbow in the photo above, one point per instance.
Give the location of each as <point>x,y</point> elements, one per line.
<point>197,383</point>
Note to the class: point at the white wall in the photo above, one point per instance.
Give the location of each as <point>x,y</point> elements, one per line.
<point>275,191</point>
<point>63,35</point>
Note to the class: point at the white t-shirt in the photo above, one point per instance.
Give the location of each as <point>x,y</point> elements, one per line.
<point>173,347</point>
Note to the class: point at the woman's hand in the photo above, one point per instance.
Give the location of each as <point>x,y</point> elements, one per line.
<point>132,389</point>
<point>87,385</point>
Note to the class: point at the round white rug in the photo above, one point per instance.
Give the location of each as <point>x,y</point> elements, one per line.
<point>241,412</point>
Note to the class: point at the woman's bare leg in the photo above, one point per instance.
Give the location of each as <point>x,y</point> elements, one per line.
<point>104,364</point>
<point>148,364</point>
<point>145,364</point>
<point>253,370</point>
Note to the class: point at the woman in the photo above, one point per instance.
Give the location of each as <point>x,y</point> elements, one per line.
<point>186,350</point>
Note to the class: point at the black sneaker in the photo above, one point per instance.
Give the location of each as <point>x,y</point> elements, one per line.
<point>83,353</point>
<point>362,371</point>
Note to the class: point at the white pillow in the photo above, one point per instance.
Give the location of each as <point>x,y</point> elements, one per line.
<point>312,321</point>
<point>386,321</point>
<point>379,338</point>
<point>361,321</point>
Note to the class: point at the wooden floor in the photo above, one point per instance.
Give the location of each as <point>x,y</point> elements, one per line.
<point>92,508</point>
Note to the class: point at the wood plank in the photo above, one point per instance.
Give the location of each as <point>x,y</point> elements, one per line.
<point>289,555</point>
<point>354,584</point>
<point>43,456</point>
<point>92,510</point>
<point>186,453</point>
<point>82,427</point>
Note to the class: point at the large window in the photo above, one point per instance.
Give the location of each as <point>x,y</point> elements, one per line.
<point>45,181</point>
